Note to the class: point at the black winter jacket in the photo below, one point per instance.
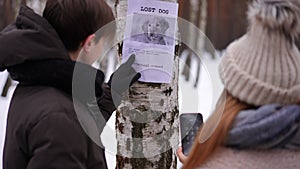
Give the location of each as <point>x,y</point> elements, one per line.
<point>43,130</point>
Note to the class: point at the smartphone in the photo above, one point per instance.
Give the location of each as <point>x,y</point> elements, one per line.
<point>190,124</point>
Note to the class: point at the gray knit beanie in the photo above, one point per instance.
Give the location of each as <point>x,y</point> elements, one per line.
<point>263,66</point>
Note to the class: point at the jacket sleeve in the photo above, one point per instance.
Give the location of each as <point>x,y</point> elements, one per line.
<point>58,142</point>
<point>106,103</point>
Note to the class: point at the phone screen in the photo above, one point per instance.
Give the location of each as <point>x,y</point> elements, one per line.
<point>190,124</point>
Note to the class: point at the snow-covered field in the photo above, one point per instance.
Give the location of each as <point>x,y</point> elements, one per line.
<point>201,99</point>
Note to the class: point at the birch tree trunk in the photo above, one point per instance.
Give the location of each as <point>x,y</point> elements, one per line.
<point>202,25</point>
<point>201,38</point>
<point>147,119</point>
<point>198,17</point>
<point>6,13</point>
<point>193,15</point>
<point>202,17</point>
<point>37,5</point>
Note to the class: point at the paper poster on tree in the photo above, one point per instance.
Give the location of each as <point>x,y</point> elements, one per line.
<point>150,35</point>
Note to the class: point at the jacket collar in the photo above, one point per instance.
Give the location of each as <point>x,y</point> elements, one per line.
<point>59,74</point>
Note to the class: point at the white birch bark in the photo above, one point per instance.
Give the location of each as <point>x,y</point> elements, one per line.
<point>147,119</point>
<point>37,5</point>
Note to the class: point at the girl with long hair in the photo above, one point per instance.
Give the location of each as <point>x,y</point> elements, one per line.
<point>259,109</point>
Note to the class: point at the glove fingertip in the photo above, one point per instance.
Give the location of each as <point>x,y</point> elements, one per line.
<point>136,77</point>
<point>131,59</point>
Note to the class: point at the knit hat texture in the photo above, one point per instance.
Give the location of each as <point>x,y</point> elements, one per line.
<point>263,66</point>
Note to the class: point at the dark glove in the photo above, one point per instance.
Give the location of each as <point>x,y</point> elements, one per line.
<point>122,79</point>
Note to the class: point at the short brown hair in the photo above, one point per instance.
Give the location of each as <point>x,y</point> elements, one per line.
<point>75,20</point>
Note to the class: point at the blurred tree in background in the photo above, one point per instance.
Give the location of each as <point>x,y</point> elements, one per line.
<point>10,8</point>
<point>8,11</point>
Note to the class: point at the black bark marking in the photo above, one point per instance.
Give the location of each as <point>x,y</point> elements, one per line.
<point>121,128</point>
<point>120,47</point>
<point>168,91</point>
<point>121,161</point>
<point>164,115</point>
<point>138,163</point>
<point>174,114</point>
<point>116,3</point>
<point>158,119</point>
<point>142,108</point>
<point>165,160</point>
<point>159,133</point>
<point>119,125</point>
<point>177,47</point>
<point>154,85</point>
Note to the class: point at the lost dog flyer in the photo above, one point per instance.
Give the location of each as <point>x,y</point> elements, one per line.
<point>150,35</point>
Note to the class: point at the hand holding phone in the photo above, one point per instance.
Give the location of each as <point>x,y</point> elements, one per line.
<point>190,124</point>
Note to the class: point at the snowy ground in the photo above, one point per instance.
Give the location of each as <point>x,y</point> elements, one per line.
<point>201,99</point>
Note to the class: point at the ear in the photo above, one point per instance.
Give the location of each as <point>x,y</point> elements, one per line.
<point>145,26</point>
<point>88,43</point>
<point>165,24</point>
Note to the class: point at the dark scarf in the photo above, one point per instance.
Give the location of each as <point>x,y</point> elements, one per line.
<point>270,126</point>
<point>59,74</point>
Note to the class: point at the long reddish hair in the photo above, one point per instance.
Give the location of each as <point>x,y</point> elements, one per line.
<point>228,107</point>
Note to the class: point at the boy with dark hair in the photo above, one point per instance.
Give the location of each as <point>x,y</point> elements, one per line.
<point>43,130</point>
